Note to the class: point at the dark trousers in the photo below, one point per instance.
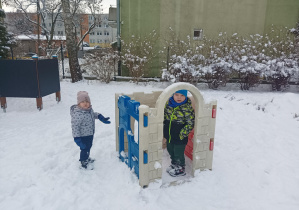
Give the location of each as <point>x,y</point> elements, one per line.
<point>176,152</point>
<point>84,154</point>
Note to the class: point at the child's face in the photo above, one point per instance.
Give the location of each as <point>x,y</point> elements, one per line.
<point>179,98</point>
<point>84,105</point>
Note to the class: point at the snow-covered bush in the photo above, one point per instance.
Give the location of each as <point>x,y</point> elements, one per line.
<point>216,65</point>
<point>101,63</point>
<point>295,31</point>
<point>281,59</point>
<point>216,74</point>
<point>182,61</point>
<point>193,63</point>
<point>280,71</point>
<point>249,60</point>
<point>182,69</point>
<point>138,54</point>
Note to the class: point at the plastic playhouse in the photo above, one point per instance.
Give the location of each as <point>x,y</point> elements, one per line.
<point>143,152</point>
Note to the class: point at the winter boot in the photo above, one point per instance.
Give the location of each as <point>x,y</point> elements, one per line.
<point>170,168</point>
<point>90,160</point>
<point>177,171</point>
<point>84,164</point>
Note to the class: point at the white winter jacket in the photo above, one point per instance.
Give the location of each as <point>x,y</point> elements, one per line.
<point>83,121</point>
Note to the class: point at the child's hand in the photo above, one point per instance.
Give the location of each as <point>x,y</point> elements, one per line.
<point>164,145</point>
<point>79,143</point>
<point>104,119</point>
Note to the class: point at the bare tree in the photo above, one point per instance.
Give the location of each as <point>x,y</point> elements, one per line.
<point>78,9</point>
<point>70,10</point>
<point>34,23</point>
<point>74,11</point>
<point>71,42</point>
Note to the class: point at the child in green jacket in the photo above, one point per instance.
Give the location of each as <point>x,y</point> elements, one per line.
<point>178,123</point>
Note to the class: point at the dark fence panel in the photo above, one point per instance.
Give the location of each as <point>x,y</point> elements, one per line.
<point>48,76</point>
<point>18,78</point>
<point>29,78</point>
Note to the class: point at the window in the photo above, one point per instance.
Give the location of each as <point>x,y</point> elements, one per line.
<point>60,33</point>
<point>98,33</point>
<point>92,41</point>
<point>91,33</point>
<point>197,34</point>
<point>50,24</point>
<point>99,41</point>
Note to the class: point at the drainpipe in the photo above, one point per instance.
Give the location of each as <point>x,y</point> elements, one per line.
<point>118,35</point>
<point>118,24</point>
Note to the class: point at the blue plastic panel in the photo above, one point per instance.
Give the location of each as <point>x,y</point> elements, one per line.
<point>145,121</point>
<point>128,108</point>
<point>145,157</point>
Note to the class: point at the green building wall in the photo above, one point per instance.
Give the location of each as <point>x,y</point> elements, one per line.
<point>245,17</point>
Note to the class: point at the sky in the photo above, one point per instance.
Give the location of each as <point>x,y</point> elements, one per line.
<point>106,4</point>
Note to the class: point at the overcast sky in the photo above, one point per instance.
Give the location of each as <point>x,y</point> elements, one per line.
<point>106,4</point>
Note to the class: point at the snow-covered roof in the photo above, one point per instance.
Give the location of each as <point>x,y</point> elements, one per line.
<point>34,36</point>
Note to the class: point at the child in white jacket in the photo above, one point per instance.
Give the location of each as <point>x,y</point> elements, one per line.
<point>83,125</point>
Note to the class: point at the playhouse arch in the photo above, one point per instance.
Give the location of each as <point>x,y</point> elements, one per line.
<point>167,93</point>
<point>151,110</point>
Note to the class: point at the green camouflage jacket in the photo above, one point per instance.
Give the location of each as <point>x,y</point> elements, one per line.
<point>178,122</point>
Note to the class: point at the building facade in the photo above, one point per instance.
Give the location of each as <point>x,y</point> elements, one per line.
<point>198,18</point>
<point>101,35</point>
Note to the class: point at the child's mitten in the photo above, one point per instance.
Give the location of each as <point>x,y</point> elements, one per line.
<point>79,142</point>
<point>104,119</point>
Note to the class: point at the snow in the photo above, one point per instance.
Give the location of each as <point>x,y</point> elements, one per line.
<point>157,165</point>
<point>130,133</point>
<point>41,37</point>
<point>255,163</point>
<point>123,154</point>
<point>88,48</point>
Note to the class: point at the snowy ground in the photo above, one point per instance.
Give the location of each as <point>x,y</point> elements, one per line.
<point>256,156</point>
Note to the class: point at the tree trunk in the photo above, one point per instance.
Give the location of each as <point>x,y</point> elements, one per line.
<point>71,42</point>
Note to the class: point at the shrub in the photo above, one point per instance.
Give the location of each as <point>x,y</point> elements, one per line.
<point>137,54</point>
<point>248,59</point>
<point>102,64</point>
